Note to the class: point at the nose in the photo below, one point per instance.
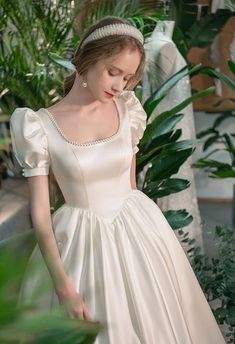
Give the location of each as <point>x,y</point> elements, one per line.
<point>118,86</point>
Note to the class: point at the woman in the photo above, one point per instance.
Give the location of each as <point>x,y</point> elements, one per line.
<point>110,252</point>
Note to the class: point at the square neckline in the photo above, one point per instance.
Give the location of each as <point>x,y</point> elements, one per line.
<point>88,143</point>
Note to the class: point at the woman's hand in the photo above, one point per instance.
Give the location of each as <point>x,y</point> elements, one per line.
<point>42,223</point>
<point>71,299</point>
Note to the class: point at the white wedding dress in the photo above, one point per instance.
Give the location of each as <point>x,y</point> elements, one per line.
<point>115,243</point>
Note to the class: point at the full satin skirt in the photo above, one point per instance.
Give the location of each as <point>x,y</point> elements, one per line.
<point>132,273</point>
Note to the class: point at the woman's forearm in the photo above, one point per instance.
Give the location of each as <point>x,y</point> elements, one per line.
<point>42,223</point>
<point>48,246</point>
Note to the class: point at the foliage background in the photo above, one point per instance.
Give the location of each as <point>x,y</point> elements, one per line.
<point>34,32</point>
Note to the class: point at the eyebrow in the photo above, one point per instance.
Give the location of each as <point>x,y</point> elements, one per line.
<point>120,70</point>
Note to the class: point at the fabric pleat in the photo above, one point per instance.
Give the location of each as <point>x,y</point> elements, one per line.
<point>133,275</point>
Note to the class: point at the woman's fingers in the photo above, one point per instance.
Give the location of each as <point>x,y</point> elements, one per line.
<point>86,313</point>
<point>76,313</point>
<point>79,311</point>
<point>75,305</point>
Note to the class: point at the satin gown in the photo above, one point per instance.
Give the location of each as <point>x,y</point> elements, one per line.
<point>116,245</point>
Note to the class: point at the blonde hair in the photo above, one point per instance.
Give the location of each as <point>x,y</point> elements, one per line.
<point>96,50</point>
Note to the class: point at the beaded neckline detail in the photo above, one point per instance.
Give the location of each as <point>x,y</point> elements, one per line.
<point>89,143</point>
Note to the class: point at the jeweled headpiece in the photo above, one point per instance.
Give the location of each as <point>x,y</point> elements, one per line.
<point>114,29</point>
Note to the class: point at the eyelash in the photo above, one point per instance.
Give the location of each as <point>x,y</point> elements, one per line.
<point>110,73</point>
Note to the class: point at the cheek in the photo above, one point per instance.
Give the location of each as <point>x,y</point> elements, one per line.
<point>106,77</point>
<point>101,79</point>
<point>104,80</point>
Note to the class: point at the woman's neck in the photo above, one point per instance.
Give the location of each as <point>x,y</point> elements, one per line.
<point>80,97</point>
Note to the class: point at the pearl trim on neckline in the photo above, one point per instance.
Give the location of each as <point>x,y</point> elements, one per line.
<point>89,143</point>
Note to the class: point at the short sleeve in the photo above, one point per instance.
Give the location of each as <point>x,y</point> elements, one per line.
<point>29,142</point>
<point>137,118</point>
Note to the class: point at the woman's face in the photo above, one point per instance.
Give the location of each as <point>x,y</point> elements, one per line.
<point>109,76</point>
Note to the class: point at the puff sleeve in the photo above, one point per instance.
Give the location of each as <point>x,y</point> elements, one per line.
<point>137,118</point>
<point>29,142</point>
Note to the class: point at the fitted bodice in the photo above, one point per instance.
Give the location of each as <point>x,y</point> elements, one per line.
<point>88,174</point>
<point>94,175</point>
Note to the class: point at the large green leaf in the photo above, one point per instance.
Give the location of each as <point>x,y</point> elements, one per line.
<point>159,94</point>
<point>168,146</point>
<point>159,141</point>
<point>179,145</point>
<point>165,187</point>
<point>167,125</point>
<point>166,163</point>
<point>151,128</point>
<point>178,218</point>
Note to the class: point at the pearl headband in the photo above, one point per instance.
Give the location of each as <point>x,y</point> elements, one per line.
<point>114,29</point>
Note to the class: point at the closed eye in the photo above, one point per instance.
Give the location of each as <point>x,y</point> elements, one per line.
<point>113,74</point>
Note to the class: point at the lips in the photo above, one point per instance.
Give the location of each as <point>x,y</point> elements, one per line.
<point>110,94</point>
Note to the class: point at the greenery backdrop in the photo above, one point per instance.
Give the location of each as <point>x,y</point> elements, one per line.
<point>38,37</point>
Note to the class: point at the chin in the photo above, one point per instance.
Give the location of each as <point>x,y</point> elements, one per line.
<point>105,99</point>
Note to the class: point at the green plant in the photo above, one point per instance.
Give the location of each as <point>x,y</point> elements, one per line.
<point>21,324</point>
<point>160,149</point>
<point>190,32</point>
<point>216,275</point>
<point>162,152</point>
<point>223,140</point>
<point>29,31</point>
